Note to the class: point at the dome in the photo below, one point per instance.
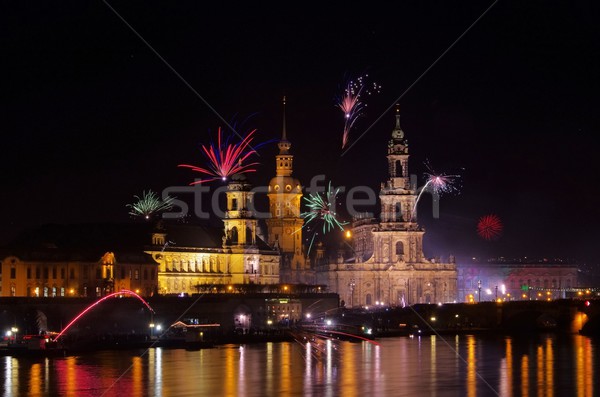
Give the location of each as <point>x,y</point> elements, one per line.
<point>285,184</point>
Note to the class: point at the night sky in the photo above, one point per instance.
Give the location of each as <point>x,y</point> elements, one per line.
<point>91,116</point>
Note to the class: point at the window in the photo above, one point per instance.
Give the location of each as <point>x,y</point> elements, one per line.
<point>54,272</point>
<point>37,272</point>
<point>98,292</point>
<point>45,272</point>
<point>54,292</point>
<point>13,272</point>
<point>234,204</point>
<point>62,273</point>
<point>85,271</point>
<point>71,274</point>
<point>62,291</point>
<point>248,236</point>
<point>399,248</point>
<point>145,274</point>
<point>98,273</point>
<point>45,292</point>
<point>28,272</point>
<point>136,275</point>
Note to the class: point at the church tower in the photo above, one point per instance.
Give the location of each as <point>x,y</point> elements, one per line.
<point>399,237</point>
<point>388,266</point>
<point>285,194</point>
<point>397,198</point>
<point>240,223</point>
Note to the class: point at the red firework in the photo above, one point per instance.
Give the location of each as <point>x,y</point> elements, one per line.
<point>489,227</point>
<point>225,159</point>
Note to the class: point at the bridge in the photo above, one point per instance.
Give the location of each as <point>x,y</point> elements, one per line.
<point>562,315</point>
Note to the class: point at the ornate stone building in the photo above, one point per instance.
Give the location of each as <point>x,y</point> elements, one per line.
<point>388,265</point>
<point>285,223</point>
<point>192,258</point>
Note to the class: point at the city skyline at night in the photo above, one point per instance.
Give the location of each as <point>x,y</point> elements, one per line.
<point>94,117</point>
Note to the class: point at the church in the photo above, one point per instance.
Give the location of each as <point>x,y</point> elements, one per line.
<point>389,267</point>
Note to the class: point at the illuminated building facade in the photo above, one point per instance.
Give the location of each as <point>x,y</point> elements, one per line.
<point>388,265</point>
<point>285,224</point>
<point>192,257</point>
<point>506,281</point>
<point>77,261</point>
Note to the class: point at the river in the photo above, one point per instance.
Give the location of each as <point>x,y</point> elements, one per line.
<point>461,365</point>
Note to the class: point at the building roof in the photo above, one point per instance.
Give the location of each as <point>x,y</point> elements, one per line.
<point>128,241</point>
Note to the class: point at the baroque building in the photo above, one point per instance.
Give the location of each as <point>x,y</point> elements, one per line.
<point>388,265</point>
<point>285,222</point>
<point>196,258</point>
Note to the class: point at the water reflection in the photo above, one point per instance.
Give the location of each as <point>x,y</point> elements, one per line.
<point>466,365</point>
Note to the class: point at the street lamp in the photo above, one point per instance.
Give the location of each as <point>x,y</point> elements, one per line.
<point>479,288</point>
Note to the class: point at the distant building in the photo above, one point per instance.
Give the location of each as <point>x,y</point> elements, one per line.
<point>388,266</point>
<point>78,260</point>
<point>500,280</point>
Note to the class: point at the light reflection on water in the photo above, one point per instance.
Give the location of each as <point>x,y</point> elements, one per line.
<point>469,365</point>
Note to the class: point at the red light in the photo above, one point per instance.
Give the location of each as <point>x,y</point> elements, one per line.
<point>587,303</point>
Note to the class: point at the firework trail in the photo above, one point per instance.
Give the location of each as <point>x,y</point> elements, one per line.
<point>225,159</point>
<point>150,204</point>
<point>350,103</point>
<point>437,184</point>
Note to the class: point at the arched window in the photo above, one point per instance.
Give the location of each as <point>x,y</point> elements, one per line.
<point>399,248</point>
<point>234,235</point>
<point>398,167</point>
<point>398,212</point>
<point>368,302</point>
<point>248,236</point>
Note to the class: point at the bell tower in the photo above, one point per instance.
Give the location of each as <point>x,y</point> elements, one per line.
<point>240,223</point>
<point>397,197</point>
<point>399,239</point>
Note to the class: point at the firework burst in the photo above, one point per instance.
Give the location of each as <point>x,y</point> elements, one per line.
<point>149,204</point>
<point>350,103</point>
<point>489,227</point>
<point>437,184</point>
<point>225,159</point>
<point>322,208</point>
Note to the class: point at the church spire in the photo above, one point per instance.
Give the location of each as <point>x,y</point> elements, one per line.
<point>397,133</point>
<point>284,145</point>
<point>283,135</point>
